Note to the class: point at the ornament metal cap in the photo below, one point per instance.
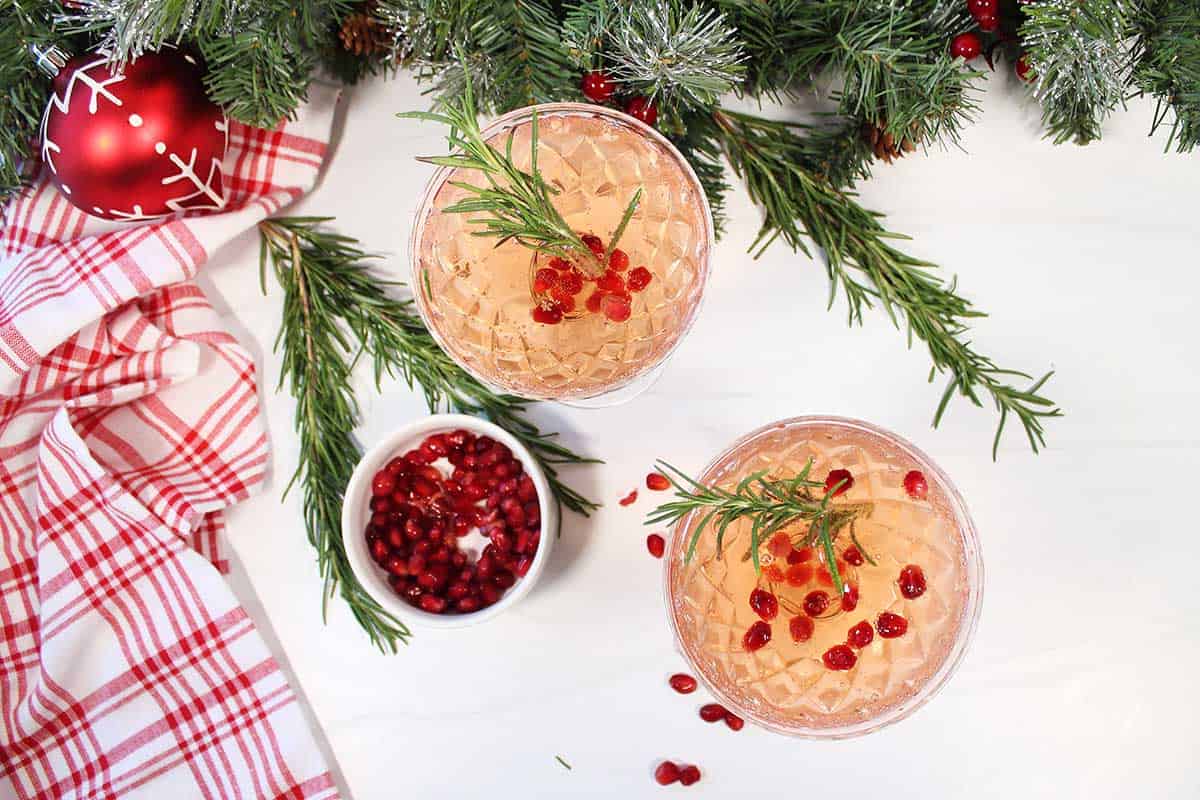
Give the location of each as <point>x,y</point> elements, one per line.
<point>49,58</point>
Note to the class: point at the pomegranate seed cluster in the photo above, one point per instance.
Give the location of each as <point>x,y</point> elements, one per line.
<point>817,604</point>
<point>557,289</point>
<point>419,514</point>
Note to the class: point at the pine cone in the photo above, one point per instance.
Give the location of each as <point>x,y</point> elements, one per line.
<point>362,34</point>
<point>884,144</point>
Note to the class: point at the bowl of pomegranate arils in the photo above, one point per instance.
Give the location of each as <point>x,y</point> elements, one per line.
<point>448,521</point>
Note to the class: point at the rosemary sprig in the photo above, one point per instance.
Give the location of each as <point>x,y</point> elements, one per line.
<point>515,204</point>
<point>770,504</point>
<point>334,312</point>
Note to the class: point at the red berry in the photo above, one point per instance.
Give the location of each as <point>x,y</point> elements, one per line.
<point>912,582</point>
<point>860,635</point>
<point>982,8</point>
<point>839,657</point>
<point>618,259</point>
<point>639,279</point>
<point>815,603</point>
<point>594,243</point>
<point>1024,71</point>
<point>547,316</point>
<point>799,574</point>
<point>689,775</point>
<point>764,604</point>
<point>666,773</point>
<point>593,302</point>
<point>643,109</point>
<point>914,481</point>
<point>756,636</point>
<point>615,308</point>
<point>711,712</point>
<point>734,722</point>
<point>656,545</point>
<point>988,23</point>
<point>597,86</point>
<point>966,46</point>
<point>684,684</point>
<point>628,499</point>
<point>657,482</point>
<point>544,280</point>
<point>891,625</point>
<point>853,556</point>
<point>849,596</point>
<point>773,573</point>
<point>801,629</point>
<point>798,556</point>
<point>838,476</point>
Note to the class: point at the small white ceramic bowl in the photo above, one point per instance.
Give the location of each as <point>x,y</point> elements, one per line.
<point>356,511</point>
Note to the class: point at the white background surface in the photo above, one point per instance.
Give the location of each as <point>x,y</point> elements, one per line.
<point>1082,680</point>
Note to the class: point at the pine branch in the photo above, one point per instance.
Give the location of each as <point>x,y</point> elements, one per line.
<point>23,87</point>
<point>335,312</point>
<point>1079,53</point>
<point>799,206</point>
<point>1167,66</point>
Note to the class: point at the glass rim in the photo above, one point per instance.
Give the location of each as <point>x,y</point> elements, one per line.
<point>511,119</point>
<point>972,554</point>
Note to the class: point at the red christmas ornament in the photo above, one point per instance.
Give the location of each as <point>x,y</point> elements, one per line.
<point>965,46</point>
<point>642,108</point>
<point>136,143</point>
<point>598,87</point>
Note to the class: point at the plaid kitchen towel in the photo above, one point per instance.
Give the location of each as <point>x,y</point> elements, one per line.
<point>128,420</point>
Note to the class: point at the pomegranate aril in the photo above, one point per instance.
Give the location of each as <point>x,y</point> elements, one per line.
<point>489,594</point>
<point>799,574</point>
<point>657,482</point>
<point>860,635</point>
<point>711,712</point>
<point>666,773</point>
<point>504,579</point>
<point>396,566</point>
<point>734,722</point>
<point>912,582</point>
<point>765,604</point>
<point>379,551</point>
<point>915,485</point>
<point>639,279</point>
<point>570,283</point>
<point>383,484</point>
<point>594,243</point>
<point>773,573</point>
<point>891,626</point>
<point>815,603</point>
<point>467,604</point>
<point>523,565</point>
<point>551,315</point>
<point>849,597</point>
<point>801,555</point>
<point>560,263</point>
<point>629,499</point>
<point>853,556</point>
<point>839,476</point>
<point>756,637</point>
<point>618,260</point>
<point>839,657</point>
<point>564,302</point>
<point>433,604</point>
<point>611,283</point>
<point>689,775</point>
<point>801,629</point>
<point>684,684</point>
<point>656,545</point>
<point>616,309</point>
<point>457,591</point>
<point>593,302</point>
<point>544,280</point>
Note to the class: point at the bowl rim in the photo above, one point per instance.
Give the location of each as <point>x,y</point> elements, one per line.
<point>972,555</point>
<point>357,496</point>
<point>511,119</point>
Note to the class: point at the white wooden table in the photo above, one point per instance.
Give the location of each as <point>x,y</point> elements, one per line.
<point>1082,680</point>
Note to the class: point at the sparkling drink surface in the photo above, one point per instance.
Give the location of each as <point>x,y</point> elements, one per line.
<point>476,296</point>
<point>785,685</point>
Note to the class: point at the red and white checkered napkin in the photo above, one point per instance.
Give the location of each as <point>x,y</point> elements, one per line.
<point>128,420</point>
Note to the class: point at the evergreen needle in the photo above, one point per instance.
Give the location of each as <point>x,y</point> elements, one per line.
<point>335,312</point>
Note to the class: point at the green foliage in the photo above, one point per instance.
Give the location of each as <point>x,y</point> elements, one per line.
<point>1168,67</point>
<point>23,88</point>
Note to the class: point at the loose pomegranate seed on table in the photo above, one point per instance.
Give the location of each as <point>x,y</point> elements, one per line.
<point>915,485</point>
<point>734,722</point>
<point>757,636</point>
<point>689,775</point>
<point>839,657</point>
<point>712,712</point>
<point>860,635</point>
<point>765,604</point>
<point>657,482</point>
<point>891,626</point>
<point>656,545</point>
<point>419,514</point>
<point>684,684</point>
<point>839,476</point>
<point>666,773</point>
<point>629,499</point>
<point>801,628</point>
<point>912,582</point>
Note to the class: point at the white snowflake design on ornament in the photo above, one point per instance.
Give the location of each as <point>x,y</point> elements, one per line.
<point>210,187</point>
